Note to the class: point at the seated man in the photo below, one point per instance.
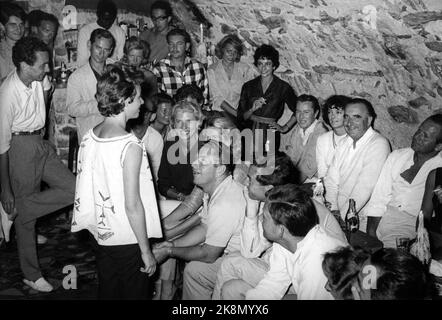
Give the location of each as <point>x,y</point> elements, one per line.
<point>82,84</point>
<point>253,263</point>
<point>300,142</point>
<point>358,162</point>
<point>291,222</point>
<point>397,196</point>
<point>206,245</point>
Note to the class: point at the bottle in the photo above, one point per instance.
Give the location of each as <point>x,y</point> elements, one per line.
<point>63,74</point>
<point>351,218</point>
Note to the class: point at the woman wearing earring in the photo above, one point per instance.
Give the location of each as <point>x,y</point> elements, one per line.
<point>113,173</point>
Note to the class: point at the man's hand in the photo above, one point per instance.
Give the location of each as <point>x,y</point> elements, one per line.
<point>150,264</point>
<point>277,127</point>
<point>8,201</point>
<point>252,206</point>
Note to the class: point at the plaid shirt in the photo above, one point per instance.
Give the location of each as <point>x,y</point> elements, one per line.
<point>170,79</point>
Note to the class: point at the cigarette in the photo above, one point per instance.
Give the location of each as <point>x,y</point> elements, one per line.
<point>437,189</point>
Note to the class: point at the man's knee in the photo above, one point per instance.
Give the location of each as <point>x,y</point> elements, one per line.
<point>234,290</point>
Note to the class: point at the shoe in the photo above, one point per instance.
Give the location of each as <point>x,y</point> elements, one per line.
<point>40,285</point>
<point>6,223</point>
<point>41,239</point>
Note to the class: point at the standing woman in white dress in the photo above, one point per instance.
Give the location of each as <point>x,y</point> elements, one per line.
<point>333,115</point>
<point>113,173</point>
<point>228,74</point>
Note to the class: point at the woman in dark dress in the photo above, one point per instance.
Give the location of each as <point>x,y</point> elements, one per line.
<point>263,98</point>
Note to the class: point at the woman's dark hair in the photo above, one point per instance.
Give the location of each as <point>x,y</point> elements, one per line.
<point>292,207</point>
<point>267,52</point>
<point>234,41</point>
<point>160,98</point>
<point>189,90</point>
<point>401,276</point>
<point>342,268</point>
<point>334,102</point>
<point>161,5</point>
<point>112,90</point>
<point>284,171</point>
<point>8,9</point>
<point>25,50</point>
<point>308,98</point>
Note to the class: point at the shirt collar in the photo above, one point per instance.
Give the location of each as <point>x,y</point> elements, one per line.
<point>168,62</point>
<point>310,129</point>
<point>367,135</point>
<point>219,189</point>
<point>309,237</point>
<point>20,85</point>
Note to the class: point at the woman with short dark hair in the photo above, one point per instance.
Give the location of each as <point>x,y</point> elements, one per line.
<point>113,173</point>
<point>262,99</point>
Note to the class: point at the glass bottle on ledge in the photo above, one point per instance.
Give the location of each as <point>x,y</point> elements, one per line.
<point>351,219</point>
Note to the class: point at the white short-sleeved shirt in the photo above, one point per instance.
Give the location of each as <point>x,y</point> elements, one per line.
<point>99,196</point>
<point>22,108</point>
<point>223,215</point>
<point>154,143</point>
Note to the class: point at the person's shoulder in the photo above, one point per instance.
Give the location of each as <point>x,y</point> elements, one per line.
<point>379,140</point>
<point>321,128</point>
<point>324,137</point>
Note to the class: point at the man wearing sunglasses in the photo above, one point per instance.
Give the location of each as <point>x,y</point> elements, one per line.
<point>161,15</point>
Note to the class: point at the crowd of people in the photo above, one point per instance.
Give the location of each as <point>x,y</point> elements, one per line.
<point>210,182</point>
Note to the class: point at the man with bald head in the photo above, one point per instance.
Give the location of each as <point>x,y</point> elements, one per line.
<point>218,235</point>
<point>397,197</point>
<point>357,163</point>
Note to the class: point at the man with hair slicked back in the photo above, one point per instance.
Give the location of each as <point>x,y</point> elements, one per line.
<point>26,159</point>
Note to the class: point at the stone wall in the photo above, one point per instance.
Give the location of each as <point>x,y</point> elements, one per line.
<point>387,51</point>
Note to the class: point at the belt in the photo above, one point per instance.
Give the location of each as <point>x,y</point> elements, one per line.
<point>27,133</point>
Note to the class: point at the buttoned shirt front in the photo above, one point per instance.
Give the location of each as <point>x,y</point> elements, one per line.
<point>355,170</point>
<point>80,99</point>
<point>22,108</point>
<point>170,79</point>
<point>224,89</point>
<point>393,190</point>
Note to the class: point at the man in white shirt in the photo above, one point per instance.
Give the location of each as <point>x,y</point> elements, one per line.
<point>218,235</point>
<point>253,263</point>
<point>82,84</point>
<point>291,222</point>
<point>397,196</point>
<point>26,159</point>
<point>357,163</point>
<point>106,17</point>
<point>300,142</point>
